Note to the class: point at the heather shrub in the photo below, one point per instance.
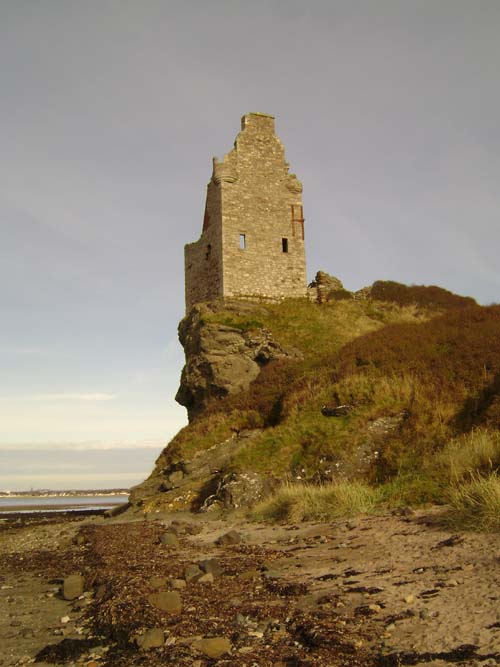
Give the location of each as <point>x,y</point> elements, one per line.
<point>421,295</point>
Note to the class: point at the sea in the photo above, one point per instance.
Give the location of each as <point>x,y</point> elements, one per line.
<point>32,504</point>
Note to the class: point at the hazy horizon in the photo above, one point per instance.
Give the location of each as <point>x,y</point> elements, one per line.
<point>111,113</point>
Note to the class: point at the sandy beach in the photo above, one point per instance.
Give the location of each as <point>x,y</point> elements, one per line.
<point>376,591</point>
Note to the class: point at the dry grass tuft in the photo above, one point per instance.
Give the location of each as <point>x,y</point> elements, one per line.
<point>475,505</point>
<point>303,502</point>
<point>475,453</point>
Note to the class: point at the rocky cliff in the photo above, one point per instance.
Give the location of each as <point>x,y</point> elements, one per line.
<point>223,359</point>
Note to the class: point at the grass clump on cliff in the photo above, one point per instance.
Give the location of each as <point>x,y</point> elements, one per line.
<point>303,502</point>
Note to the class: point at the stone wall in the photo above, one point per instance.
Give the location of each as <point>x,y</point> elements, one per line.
<point>253,222</point>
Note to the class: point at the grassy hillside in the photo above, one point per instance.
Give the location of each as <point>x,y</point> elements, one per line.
<point>419,374</point>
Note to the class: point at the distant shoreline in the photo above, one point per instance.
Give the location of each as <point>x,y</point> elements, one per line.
<point>64,494</point>
<point>26,504</point>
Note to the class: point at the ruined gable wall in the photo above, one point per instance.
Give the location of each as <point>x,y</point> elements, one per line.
<point>257,195</point>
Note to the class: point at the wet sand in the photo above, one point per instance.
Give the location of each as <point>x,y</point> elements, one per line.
<point>33,509</point>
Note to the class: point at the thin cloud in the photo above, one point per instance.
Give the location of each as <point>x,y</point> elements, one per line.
<point>76,477</point>
<point>84,445</point>
<point>28,352</point>
<point>61,397</point>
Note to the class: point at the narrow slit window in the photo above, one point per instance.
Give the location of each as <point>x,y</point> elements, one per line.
<point>284,245</point>
<point>243,241</point>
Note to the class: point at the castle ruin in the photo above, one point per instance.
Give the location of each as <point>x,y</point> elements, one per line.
<point>252,243</point>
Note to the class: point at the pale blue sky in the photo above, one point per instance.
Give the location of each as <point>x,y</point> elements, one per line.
<point>111,112</point>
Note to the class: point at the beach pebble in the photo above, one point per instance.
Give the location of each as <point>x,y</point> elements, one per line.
<point>152,638</point>
<point>73,586</point>
<point>169,601</point>
<point>232,537</point>
<point>192,573</point>
<point>158,582</point>
<point>211,566</point>
<point>169,540</point>
<point>214,647</point>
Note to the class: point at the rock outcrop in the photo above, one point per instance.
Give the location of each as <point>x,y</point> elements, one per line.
<point>222,359</point>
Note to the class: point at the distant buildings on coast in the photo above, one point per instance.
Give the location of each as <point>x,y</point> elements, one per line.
<point>48,493</point>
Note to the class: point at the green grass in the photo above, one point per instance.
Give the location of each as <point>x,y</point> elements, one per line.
<point>316,330</point>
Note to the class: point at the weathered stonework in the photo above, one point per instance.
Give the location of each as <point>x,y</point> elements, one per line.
<point>252,244</point>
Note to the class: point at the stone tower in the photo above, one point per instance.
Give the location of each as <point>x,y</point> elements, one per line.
<point>252,243</point>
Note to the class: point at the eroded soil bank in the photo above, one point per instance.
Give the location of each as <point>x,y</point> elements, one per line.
<point>376,591</point>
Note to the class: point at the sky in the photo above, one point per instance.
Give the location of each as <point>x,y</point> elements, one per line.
<point>111,111</point>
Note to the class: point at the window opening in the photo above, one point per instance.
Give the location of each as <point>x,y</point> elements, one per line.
<point>243,241</point>
<point>284,245</point>
<point>209,251</point>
